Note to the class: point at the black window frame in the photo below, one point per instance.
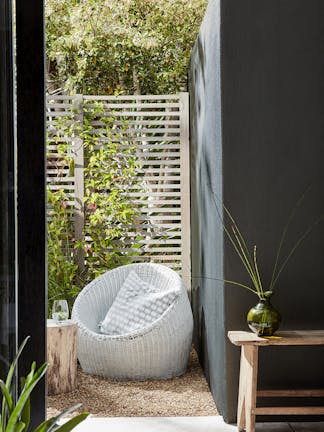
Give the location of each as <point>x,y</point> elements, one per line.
<point>31,195</point>
<point>8,330</point>
<point>22,199</point>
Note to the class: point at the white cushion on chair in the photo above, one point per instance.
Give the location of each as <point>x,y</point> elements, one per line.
<point>137,305</point>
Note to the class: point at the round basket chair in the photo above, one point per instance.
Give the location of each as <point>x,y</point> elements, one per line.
<point>159,350</point>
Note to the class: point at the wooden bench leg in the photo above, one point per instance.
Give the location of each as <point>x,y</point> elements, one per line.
<point>247,388</point>
<point>241,397</point>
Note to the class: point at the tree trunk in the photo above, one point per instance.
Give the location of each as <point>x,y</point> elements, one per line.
<point>61,357</point>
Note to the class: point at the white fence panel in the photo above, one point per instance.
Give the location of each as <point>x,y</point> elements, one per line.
<point>158,127</point>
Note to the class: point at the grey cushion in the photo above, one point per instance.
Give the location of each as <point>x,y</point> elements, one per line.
<point>137,305</point>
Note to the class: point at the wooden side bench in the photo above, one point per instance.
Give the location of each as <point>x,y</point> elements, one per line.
<point>248,393</point>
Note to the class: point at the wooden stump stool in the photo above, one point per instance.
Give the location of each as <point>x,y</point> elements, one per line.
<point>61,357</point>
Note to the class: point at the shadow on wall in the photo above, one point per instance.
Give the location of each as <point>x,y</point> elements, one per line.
<point>206,184</point>
<point>203,352</point>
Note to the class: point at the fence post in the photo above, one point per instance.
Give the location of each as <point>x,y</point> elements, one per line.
<point>185,190</point>
<point>77,148</point>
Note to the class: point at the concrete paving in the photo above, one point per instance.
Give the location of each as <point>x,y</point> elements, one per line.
<point>152,424</point>
<point>184,424</point>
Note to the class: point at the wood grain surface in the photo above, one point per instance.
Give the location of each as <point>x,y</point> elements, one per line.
<point>62,358</point>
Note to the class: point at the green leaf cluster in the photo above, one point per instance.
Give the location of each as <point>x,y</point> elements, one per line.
<point>110,169</point>
<point>137,46</point>
<point>63,276</point>
<point>15,412</point>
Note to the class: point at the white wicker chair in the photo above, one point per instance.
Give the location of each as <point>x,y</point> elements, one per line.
<point>159,351</point>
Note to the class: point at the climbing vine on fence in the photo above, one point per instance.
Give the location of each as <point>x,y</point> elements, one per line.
<point>63,277</point>
<point>110,169</point>
<point>110,164</point>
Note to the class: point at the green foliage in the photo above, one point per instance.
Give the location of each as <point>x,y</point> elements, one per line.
<point>137,46</point>
<point>110,169</point>
<point>15,414</point>
<point>110,163</point>
<point>63,277</point>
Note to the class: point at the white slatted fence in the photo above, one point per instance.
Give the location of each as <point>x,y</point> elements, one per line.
<point>158,127</point>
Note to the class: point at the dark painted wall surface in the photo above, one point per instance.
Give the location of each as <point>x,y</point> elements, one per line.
<point>206,184</point>
<point>268,148</point>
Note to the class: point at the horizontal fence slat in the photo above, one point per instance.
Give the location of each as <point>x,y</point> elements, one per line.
<point>59,173</point>
<point>158,170</point>
<point>59,113</point>
<point>60,97</point>
<point>161,217</point>
<point>154,122</point>
<point>153,249</point>
<point>56,156</point>
<point>144,139</point>
<point>156,201</point>
<point>156,225</point>
<point>137,105</point>
<point>157,242</point>
<point>138,133</point>
<point>149,194</point>
<point>60,179</point>
<point>117,114</point>
<point>61,187</point>
<point>161,163</point>
<point>133,97</point>
<point>160,210</point>
<point>160,257</point>
<point>151,187</point>
<point>59,105</point>
<point>160,147</point>
<point>158,178</point>
<point>152,130</point>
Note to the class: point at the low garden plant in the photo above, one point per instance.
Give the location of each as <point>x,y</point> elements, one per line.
<point>15,411</point>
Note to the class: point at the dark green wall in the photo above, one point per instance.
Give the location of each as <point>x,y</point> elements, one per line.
<point>257,140</point>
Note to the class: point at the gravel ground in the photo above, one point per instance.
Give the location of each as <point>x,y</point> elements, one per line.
<point>187,395</point>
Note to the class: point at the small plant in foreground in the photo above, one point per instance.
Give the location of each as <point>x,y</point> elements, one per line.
<point>15,415</point>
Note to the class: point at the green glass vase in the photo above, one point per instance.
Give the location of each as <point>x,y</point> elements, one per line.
<point>263,319</point>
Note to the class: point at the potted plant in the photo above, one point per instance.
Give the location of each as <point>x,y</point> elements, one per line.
<point>15,412</point>
<point>263,318</point>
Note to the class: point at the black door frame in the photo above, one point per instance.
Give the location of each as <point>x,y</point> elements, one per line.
<point>31,221</point>
<point>7,191</point>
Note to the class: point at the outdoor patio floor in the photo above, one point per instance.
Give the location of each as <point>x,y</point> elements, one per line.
<point>185,424</point>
